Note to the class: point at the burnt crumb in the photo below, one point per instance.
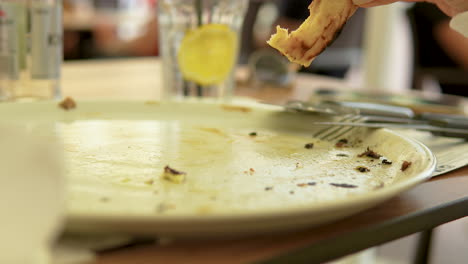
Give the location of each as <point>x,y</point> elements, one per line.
<point>362,169</point>
<point>299,165</point>
<point>67,104</point>
<point>309,146</point>
<point>170,170</point>
<point>291,192</point>
<point>251,170</point>
<point>173,175</point>
<point>387,161</point>
<point>311,183</point>
<point>342,155</point>
<point>104,199</point>
<point>343,185</point>
<point>269,188</point>
<point>370,153</point>
<point>253,134</point>
<point>405,165</point>
<point>342,143</point>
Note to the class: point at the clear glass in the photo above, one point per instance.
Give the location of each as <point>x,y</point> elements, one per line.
<point>31,33</point>
<point>176,18</point>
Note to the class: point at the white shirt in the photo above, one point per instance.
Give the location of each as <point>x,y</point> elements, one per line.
<point>460,23</point>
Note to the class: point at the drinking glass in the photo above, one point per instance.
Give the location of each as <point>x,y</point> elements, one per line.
<point>199,44</point>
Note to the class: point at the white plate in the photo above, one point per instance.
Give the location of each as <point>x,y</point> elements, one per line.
<point>236,184</point>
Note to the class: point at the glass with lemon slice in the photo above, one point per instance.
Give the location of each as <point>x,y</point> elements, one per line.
<point>199,43</point>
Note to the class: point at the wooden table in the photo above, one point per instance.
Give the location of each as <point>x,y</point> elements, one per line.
<point>428,205</point>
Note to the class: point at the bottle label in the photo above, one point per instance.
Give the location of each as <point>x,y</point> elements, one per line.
<point>46,40</point>
<point>9,67</point>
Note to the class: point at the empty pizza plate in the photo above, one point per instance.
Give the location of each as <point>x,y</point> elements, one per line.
<point>243,169</point>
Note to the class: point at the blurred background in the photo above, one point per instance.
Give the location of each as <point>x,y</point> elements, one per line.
<point>391,48</point>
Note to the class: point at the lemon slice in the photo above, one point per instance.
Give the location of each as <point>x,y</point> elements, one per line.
<point>207,54</point>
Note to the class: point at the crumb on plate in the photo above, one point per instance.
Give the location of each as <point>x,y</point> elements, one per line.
<point>173,175</point>
<point>343,185</point>
<point>370,153</point>
<point>67,104</point>
<point>342,143</point>
<point>306,184</point>
<point>362,169</point>
<point>386,161</point>
<point>405,165</point>
<point>309,146</point>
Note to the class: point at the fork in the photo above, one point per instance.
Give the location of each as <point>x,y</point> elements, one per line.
<point>334,132</point>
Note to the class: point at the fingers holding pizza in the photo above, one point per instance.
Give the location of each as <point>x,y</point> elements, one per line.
<point>327,17</point>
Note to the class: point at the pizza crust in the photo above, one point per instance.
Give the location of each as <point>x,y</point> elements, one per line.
<point>326,19</point>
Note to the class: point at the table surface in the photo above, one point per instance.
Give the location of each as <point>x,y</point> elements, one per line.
<point>428,205</point>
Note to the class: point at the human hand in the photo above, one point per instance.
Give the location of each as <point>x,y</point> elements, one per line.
<point>449,7</point>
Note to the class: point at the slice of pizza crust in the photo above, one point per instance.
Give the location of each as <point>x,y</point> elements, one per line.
<point>326,19</point>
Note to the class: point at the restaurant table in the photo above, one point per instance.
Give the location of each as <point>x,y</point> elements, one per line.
<point>428,205</point>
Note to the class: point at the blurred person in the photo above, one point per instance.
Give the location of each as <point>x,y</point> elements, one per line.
<point>78,25</point>
<point>440,46</point>
<point>453,40</point>
<point>449,7</point>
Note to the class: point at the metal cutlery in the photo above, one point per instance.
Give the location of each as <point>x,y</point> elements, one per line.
<point>384,116</point>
